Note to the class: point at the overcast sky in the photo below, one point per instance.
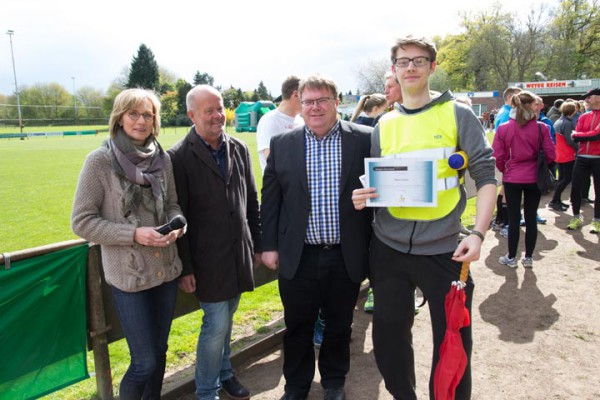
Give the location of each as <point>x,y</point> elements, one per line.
<point>239,43</point>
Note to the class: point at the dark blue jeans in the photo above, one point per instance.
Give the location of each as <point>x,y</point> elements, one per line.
<point>145,317</point>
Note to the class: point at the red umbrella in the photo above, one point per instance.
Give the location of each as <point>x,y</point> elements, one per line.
<point>453,359</point>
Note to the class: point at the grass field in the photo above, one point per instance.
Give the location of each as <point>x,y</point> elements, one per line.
<point>39,177</point>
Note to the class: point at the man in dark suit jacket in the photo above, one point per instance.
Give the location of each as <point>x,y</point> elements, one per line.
<point>316,238</point>
<point>217,195</point>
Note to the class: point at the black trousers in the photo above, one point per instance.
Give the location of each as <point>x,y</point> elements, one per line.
<point>396,275</point>
<point>321,283</point>
<point>565,174</point>
<point>584,166</point>
<point>530,194</point>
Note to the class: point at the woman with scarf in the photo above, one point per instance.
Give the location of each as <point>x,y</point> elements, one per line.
<point>125,191</point>
<point>516,147</point>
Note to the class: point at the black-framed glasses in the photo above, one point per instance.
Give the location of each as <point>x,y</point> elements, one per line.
<point>418,62</point>
<point>320,102</point>
<point>134,115</point>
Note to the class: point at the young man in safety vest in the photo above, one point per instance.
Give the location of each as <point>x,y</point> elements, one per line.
<point>418,246</point>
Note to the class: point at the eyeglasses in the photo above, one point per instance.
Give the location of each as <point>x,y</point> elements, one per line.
<point>418,62</point>
<point>320,102</point>
<point>134,115</point>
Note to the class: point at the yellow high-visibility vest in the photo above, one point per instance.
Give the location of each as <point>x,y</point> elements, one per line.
<point>429,134</point>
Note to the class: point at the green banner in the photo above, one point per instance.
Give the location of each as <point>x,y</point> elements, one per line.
<point>43,324</point>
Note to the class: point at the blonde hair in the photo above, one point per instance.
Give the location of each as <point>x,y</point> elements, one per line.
<point>521,102</point>
<point>129,99</point>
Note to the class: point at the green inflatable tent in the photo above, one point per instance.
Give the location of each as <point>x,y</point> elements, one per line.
<point>249,113</point>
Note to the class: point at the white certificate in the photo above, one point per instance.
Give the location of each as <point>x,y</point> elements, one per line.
<point>402,182</point>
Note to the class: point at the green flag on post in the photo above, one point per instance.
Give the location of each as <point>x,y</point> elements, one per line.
<point>43,324</point>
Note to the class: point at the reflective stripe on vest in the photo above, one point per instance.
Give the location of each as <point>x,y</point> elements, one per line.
<point>429,134</point>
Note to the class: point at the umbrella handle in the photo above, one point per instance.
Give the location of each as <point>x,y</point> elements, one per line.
<point>464,271</point>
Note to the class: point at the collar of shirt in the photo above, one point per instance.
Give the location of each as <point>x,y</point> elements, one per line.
<point>332,134</point>
<point>218,154</point>
<point>221,143</point>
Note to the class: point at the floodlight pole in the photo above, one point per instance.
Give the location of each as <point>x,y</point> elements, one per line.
<point>10,33</point>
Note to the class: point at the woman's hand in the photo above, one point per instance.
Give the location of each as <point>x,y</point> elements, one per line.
<point>148,236</point>
<point>360,196</point>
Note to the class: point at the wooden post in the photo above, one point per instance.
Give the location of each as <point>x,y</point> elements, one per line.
<point>97,325</point>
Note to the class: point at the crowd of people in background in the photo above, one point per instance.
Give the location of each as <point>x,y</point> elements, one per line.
<point>569,137</point>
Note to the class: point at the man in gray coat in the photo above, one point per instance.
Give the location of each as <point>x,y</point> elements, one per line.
<point>217,195</point>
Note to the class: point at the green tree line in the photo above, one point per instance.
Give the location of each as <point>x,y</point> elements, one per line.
<point>52,104</point>
<point>495,47</point>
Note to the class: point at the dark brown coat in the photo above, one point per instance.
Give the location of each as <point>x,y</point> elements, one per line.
<point>223,218</point>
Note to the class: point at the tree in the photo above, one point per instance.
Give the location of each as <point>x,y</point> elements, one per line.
<point>167,80</point>
<point>5,111</point>
<point>46,101</point>
<point>203,79</point>
<point>439,80</point>
<point>90,100</point>
<point>117,86</point>
<point>232,97</point>
<point>453,59</point>
<point>143,72</point>
<point>168,109</point>
<point>496,48</point>
<point>261,93</point>
<point>241,95</point>
<point>371,75</point>
<point>183,87</point>
<point>574,35</point>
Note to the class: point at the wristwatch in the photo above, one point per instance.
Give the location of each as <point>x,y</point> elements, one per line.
<point>478,234</point>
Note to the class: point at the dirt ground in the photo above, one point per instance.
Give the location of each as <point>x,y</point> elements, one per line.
<point>536,331</point>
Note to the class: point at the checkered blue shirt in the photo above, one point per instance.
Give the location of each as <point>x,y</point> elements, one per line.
<point>323,167</point>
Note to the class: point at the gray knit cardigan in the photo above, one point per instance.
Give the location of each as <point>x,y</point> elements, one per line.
<point>98,216</point>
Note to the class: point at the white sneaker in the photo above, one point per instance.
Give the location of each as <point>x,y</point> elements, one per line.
<point>527,262</point>
<point>509,262</point>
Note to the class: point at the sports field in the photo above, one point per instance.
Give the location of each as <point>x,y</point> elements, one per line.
<point>39,177</point>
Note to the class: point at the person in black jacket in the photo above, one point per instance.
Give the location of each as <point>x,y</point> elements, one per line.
<point>316,238</point>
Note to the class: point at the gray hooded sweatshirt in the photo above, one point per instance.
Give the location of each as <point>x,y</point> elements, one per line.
<point>439,236</point>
